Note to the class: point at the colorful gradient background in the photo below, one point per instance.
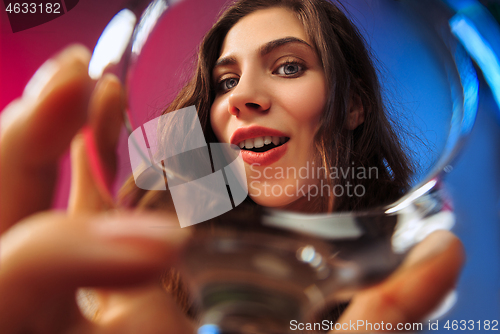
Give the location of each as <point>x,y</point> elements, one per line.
<point>474,182</point>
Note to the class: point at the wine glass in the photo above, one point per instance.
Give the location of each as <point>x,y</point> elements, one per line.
<point>253,270</point>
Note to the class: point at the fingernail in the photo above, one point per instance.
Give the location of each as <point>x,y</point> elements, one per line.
<point>47,72</point>
<point>107,80</point>
<point>41,78</point>
<point>108,83</point>
<point>75,51</point>
<point>10,114</point>
<point>160,228</point>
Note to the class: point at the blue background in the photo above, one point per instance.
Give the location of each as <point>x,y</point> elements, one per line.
<point>474,182</point>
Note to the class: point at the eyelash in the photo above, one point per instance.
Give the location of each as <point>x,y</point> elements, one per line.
<point>300,65</point>
<point>301,68</point>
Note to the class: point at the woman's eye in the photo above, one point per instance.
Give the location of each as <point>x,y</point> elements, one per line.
<point>228,84</point>
<point>289,69</point>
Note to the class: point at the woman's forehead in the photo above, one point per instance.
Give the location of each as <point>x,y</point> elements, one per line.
<point>260,27</point>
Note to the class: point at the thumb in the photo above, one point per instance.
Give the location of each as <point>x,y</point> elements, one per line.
<point>47,256</point>
<point>428,274</point>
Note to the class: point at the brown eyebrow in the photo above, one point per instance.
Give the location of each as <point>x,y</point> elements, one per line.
<point>264,50</point>
<point>225,61</point>
<point>270,46</point>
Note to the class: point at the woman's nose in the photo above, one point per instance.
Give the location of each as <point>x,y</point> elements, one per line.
<point>249,96</point>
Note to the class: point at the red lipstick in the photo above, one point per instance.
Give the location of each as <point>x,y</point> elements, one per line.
<point>259,158</point>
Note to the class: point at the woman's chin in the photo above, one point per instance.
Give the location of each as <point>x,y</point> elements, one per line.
<point>281,195</point>
<point>275,202</point>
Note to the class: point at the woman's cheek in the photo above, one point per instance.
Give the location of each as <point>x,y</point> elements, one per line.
<point>306,101</point>
<point>219,119</point>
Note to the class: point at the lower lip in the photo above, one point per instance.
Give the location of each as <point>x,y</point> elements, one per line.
<point>264,158</point>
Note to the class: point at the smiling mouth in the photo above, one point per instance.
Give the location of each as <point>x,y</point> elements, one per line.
<point>262,144</point>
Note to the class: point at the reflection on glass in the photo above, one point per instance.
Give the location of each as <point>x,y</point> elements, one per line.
<point>112,43</point>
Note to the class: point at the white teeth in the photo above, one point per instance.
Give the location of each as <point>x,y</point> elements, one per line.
<point>249,143</point>
<point>259,142</point>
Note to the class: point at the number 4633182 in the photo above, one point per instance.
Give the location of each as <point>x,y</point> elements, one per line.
<point>469,325</point>
<point>33,8</point>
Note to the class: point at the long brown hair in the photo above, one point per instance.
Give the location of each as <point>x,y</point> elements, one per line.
<point>351,78</point>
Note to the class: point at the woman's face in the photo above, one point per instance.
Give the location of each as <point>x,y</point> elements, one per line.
<point>271,92</point>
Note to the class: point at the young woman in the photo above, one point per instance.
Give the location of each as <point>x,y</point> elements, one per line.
<point>313,85</point>
<point>291,69</point>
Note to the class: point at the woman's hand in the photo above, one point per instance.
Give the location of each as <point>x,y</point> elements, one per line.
<point>428,274</point>
<point>45,256</point>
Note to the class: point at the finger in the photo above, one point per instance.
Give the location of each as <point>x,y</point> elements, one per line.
<point>413,291</point>
<point>37,129</point>
<point>145,310</point>
<point>106,118</point>
<point>45,258</point>
<point>93,152</point>
<point>84,196</point>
